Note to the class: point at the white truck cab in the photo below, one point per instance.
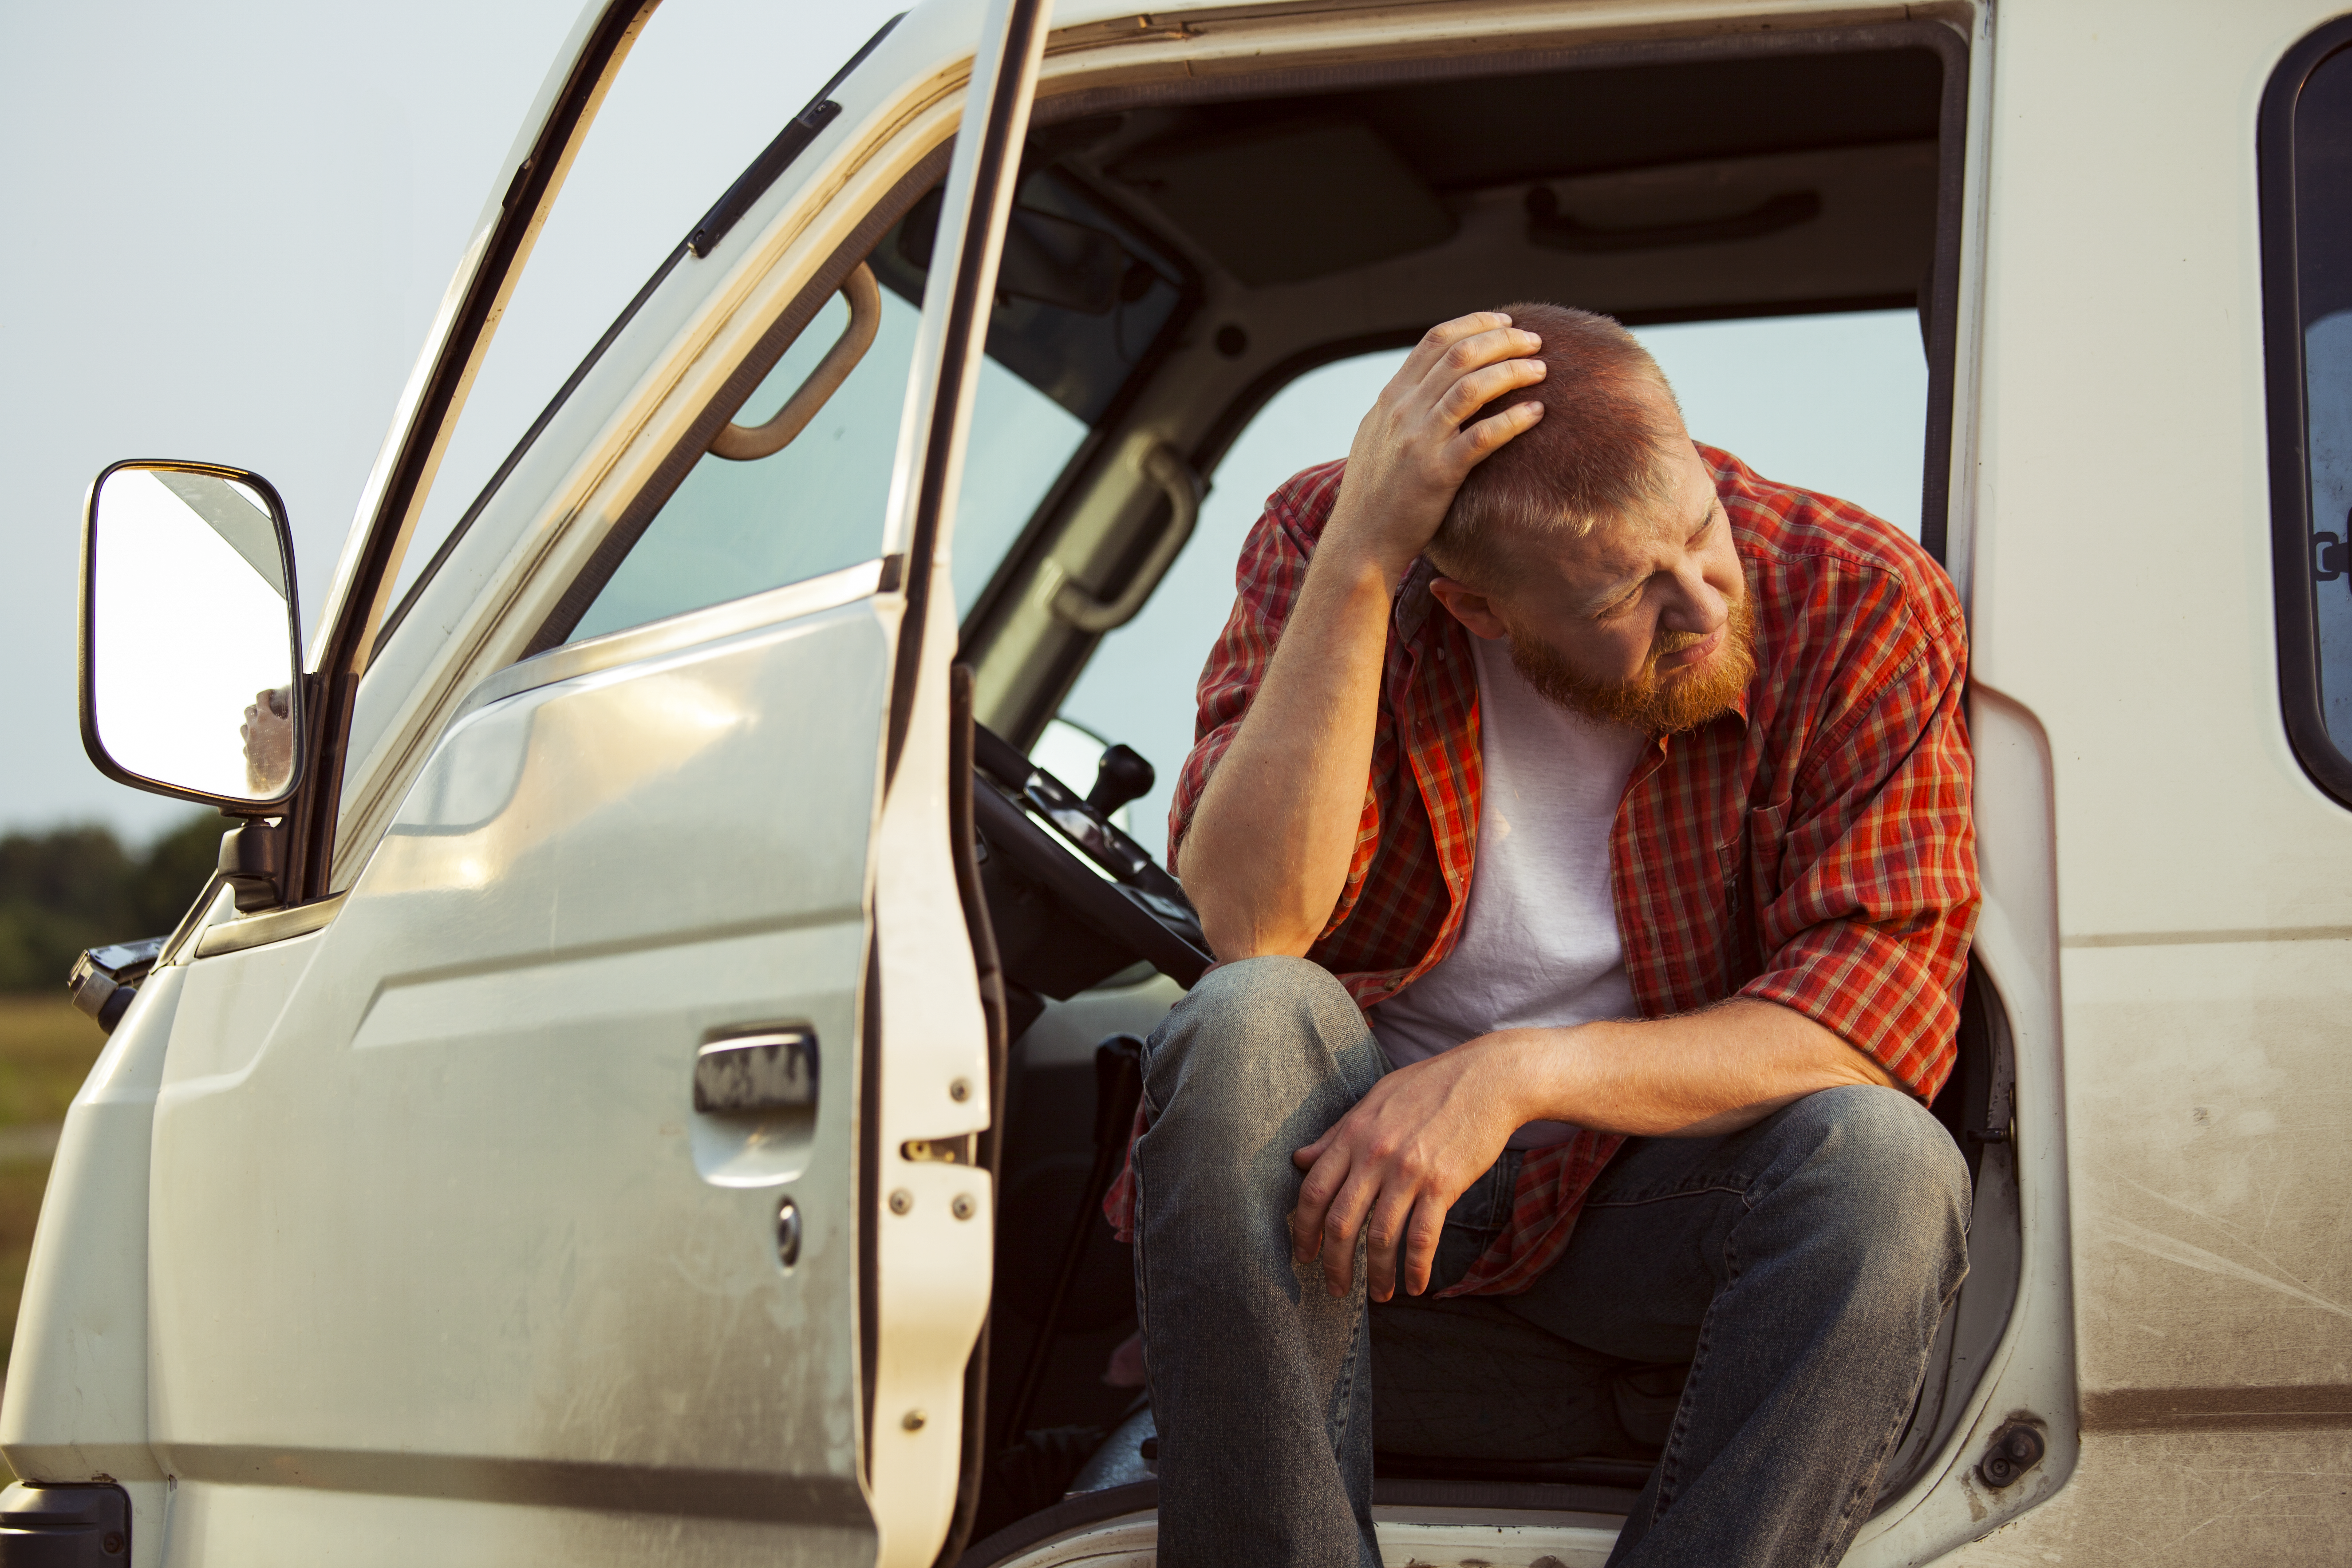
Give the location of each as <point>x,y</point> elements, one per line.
<point>638,1088</point>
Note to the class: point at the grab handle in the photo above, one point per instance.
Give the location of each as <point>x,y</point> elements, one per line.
<point>743,442</point>
<point>1075,608</point>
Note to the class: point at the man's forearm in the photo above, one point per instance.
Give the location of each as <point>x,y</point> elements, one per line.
<point>1701,1075</point>
<point>1268,852</point>
<point>1268,847</point>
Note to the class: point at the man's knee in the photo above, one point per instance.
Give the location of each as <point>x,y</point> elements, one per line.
<point>1889,1172</point>
<point>1244,1020</point>
<point>1262,1054</point>
<point>1255,994</point>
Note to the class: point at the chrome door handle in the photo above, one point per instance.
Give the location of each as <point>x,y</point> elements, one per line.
<point>772,1071</point>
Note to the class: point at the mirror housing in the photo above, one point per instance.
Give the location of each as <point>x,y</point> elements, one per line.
<point>191,669</point>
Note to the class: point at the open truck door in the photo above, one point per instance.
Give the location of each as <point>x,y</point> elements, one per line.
<point>542,1189</point>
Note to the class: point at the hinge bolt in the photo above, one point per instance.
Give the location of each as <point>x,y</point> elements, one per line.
<point>913,1420</point>
<point>962,1207</point>
<point>960,1090</point>
<point>901,1201</point>
<point>2015,1450</point>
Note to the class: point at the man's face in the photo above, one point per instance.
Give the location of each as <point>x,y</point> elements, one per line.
<point>1643,622</point>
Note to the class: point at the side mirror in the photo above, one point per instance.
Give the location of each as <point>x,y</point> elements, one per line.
<point>191,675</point>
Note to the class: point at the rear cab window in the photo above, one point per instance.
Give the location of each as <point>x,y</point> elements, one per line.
<point>2305,151</point>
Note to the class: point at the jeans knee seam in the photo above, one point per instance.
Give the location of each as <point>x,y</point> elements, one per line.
<point>1346,1397</point>
<point>1739,1192</point>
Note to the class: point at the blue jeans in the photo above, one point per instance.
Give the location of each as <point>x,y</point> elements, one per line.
<point>1799,1267</point>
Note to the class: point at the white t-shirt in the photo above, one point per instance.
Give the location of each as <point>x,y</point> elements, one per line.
<point>1540,943</point>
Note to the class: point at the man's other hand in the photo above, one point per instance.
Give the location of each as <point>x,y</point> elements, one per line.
<point>1390,1168</point>
<point>1412,452</point>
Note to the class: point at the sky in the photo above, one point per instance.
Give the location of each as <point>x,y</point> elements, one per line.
<point>230,227</point>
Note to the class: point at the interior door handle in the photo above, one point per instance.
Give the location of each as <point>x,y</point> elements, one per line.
<point>747,1074</point>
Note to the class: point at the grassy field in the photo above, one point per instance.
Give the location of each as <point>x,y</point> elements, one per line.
<point>46,1049</point>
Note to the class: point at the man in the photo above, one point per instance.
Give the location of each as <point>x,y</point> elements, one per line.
<point>1582,822</point>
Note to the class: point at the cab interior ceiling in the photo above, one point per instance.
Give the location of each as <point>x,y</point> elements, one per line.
<point>1169,268</point>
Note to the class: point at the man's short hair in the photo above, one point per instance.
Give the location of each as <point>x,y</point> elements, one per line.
<point>1600,449</point>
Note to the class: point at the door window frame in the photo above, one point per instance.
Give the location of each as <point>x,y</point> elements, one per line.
<point>396,496</point>
<point>773,162</point>
<point>2294,583</point>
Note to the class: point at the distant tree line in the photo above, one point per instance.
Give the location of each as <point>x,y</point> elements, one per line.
<point>73,888</point>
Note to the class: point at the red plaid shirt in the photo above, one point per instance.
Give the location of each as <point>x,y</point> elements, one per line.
<point>1811,847</point>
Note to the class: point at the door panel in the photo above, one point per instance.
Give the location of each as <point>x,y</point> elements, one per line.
<point>445,1263</point>
<point>457,1231</point>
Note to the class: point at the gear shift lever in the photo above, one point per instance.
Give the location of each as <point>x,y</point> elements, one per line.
<point>1122,775</point>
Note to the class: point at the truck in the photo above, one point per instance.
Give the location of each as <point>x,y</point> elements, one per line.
<point>641,1082</point>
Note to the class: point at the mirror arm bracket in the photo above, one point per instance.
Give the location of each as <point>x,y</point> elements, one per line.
<point>307,830</point>
<point>253,863</point>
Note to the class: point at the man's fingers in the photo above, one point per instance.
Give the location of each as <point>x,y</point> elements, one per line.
<point>1475,444</point>
<point>1480,388</point>
<point>1341,1223</point>
<point>1385,1232</point>
<point>1421,1244</point>
<point>1315,1194</point>
<point>1436,342</point>
<point>1475,352</point>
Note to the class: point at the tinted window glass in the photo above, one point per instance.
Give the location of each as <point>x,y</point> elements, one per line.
<point>733,529</point>
<point>1081,299</point>
<point>2322,251</point>
<point>706,85</point>
<point>739,528</point>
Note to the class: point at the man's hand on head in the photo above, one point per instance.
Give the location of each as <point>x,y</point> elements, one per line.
<point>1390,1168</point>
<point>1411,452</point>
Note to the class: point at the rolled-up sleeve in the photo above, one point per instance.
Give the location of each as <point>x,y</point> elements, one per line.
<point>1865,920</point>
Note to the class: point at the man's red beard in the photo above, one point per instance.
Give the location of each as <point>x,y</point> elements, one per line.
<point>1653,703</point>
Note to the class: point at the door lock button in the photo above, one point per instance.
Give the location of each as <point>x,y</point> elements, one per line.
<point>788,1233</point>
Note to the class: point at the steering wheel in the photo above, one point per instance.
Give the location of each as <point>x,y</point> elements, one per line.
<point>1124,905</point>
